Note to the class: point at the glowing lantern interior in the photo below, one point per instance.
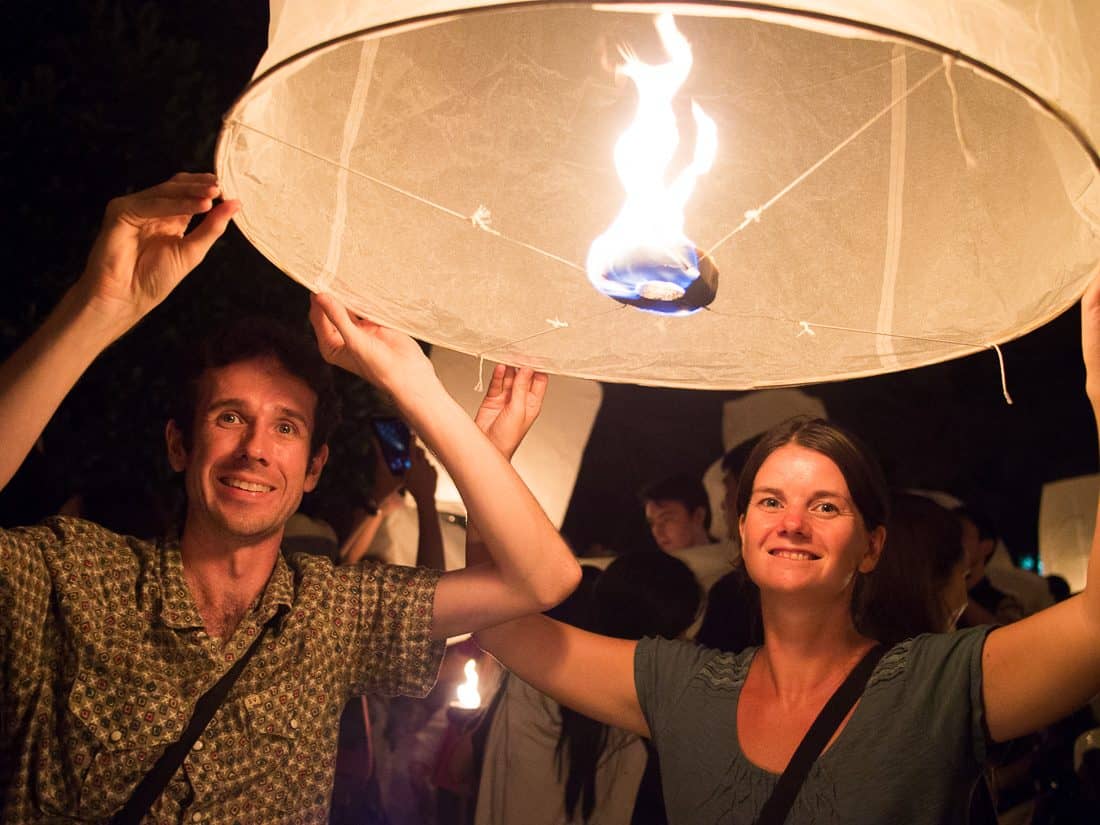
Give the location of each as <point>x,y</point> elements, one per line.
<point>444,168</point>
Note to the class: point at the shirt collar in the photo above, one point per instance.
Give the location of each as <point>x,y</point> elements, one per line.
<point>176,607</point>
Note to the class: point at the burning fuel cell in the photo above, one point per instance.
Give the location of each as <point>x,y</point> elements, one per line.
<point>644,259</point>
<point>653,279</point>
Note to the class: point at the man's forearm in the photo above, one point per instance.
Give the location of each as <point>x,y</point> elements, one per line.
<point>139,256</point>
<point>36,379</point>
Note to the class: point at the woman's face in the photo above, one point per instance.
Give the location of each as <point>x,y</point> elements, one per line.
<point>801,530</point>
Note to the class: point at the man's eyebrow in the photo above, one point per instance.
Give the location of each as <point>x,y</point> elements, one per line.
<point>222,403</point>
<point>290,412</point>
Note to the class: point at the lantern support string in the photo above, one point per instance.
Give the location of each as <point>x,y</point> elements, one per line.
<point>479,219</point>
<point>807,327</point>
<point>553,326</point>
<point>948,75</point>
<point>753,215</point>
<point>480,385</point>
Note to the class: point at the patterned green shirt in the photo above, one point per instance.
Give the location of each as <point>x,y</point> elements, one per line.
<point>104,656</point>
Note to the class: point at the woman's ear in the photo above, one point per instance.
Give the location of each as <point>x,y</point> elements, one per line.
<point>876,540</point>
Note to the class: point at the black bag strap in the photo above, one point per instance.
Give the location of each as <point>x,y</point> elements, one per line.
<point>153,783</point>
<point>775,810</point>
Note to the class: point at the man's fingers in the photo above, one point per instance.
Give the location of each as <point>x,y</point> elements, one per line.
<point>195,245</point>
<point>136,209</point>
<point>194,177</point>
<point>328,336</point>
<point>185,194</point>
<point>341,318</point>
<point>184,189</point>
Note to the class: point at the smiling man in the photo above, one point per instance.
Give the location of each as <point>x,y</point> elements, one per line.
<point>108,643</point>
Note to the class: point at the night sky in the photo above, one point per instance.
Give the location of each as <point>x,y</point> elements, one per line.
<point>103,98</point>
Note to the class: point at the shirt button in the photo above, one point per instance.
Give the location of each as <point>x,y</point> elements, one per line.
<point>116,735</point>
<point>294,724</point>
<point>196,816</point>
<point>197,746</point>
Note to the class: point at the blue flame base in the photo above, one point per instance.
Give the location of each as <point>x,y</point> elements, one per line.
<point>667,284</point>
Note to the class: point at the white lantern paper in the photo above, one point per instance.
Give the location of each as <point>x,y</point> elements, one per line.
<point>444,167</point>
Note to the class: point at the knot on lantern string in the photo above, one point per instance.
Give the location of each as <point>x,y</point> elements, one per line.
<point>483,219</point>
<point>753,215</point>
<point>553,325</point>
<point>964,147</point>
<point>804,328</point>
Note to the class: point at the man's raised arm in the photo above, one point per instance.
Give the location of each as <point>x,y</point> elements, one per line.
<point>530,567</point>
<point>140,255</point>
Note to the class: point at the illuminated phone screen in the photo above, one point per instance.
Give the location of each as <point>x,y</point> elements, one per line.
<point>395,439</point>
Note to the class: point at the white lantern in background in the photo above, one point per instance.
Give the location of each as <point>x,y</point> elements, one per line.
<point>895,184</point>
<point>1067,520</point>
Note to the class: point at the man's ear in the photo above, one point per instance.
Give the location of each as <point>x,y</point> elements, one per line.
<point>988,548</point>
<point>177,453</point>
<point>699,515</point>
<point>313,472</point>
<point>876,541</point>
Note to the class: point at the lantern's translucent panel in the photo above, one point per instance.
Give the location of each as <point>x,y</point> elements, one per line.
<point>447,176</point>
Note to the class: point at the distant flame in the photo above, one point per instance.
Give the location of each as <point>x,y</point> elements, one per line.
<point>644,258</point>
<point>468,695</point>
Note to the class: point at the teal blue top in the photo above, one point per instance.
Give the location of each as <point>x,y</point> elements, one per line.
<point>910,753</point>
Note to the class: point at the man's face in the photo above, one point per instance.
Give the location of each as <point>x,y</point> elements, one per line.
<point>249,461</point>
<point>977,552</point>
<point>674,527</point>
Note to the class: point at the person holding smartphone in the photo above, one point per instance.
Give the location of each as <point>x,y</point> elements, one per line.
<point>399,467</point>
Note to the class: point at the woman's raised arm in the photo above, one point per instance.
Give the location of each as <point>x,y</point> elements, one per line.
<point>1039,669</point>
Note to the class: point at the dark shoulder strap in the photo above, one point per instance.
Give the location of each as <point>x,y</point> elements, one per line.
<point>817,737</point>
<point>153,783</point>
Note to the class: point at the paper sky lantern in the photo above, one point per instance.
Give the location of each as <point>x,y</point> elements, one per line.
<point>892,184</point>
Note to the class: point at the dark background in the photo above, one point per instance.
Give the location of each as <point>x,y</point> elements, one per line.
<point>101,98</point>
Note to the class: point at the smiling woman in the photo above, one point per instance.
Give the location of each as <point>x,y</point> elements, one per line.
<point>810,493</point>
<point>732,729</point>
